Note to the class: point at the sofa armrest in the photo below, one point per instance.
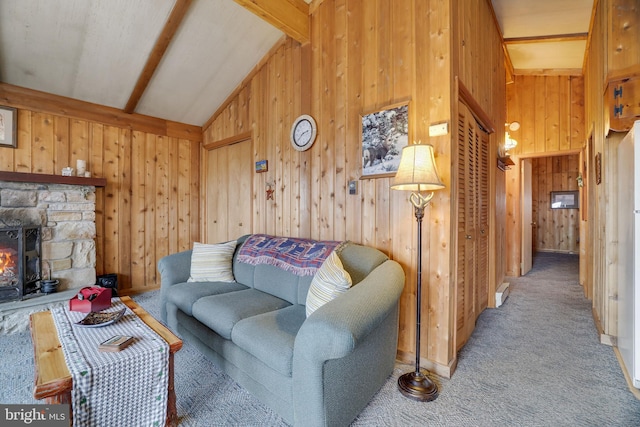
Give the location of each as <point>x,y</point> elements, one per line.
<point>354,333</point>
<point>174,268</point>
<point>336,328</point>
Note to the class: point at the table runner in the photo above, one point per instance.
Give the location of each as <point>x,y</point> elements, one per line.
<point>125,388</point>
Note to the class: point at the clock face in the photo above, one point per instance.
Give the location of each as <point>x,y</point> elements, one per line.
<point>303,133</point>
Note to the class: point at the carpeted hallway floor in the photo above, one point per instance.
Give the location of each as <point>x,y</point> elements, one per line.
<point>535,361</point>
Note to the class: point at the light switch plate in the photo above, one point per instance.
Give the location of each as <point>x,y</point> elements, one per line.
<point>353,187</point>
<point>439,129</point>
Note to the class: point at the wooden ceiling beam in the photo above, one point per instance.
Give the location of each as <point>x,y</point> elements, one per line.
<point>170,27</point>
<point>547,39</point>
<point>29,99</point>
<point>290,16</point>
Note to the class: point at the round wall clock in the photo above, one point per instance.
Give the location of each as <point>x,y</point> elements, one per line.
<point>303,132</point>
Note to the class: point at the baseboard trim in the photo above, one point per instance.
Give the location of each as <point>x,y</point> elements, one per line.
<point>502,293</point>
<point>627,378</point>
<point>441,370</point>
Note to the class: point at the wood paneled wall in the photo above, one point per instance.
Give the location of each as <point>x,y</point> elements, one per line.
<point>149,207</point>
<point>365,55</point>
<point>612,50</point>
<point>557,230</point>
<point>550,110</point>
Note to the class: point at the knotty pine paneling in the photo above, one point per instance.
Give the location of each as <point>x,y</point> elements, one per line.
<point>365,55</point>
<point>149,207</point>
<point>623,34</point>
<point>557,230</point>
<point>550,110</point>
<point>613,49</point>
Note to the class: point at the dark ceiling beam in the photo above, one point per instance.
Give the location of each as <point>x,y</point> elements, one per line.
<point>170,27</point>
<point>290,16</point>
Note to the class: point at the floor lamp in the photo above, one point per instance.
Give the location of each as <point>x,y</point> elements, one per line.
<point>417,173</point>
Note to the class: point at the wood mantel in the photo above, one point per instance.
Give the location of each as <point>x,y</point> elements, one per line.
<point>42,178</point>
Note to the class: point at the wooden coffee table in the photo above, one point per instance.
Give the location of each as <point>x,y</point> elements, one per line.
<point>52,377</point>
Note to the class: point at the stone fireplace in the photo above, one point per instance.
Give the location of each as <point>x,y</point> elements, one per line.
<point>65,217</point>
<point>20,265</point>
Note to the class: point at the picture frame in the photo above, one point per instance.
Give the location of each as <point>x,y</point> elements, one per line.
<point>262,166</point>
<point>8,126</point>
<point>383,135</point>
<point>565,200</point>
<point>598,168</point>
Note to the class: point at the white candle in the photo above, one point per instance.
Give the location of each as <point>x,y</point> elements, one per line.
<point>81,166</point>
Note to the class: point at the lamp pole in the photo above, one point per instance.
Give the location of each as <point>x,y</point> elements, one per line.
<point>416,385</point>
<point>417,172</point>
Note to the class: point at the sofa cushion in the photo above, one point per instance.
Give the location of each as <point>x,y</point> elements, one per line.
<point>212,263</point>
<point>278,282</point>
<point>183,295</point>
<point>330,281</point>
<point>222,312</point>
<point>270,336</point>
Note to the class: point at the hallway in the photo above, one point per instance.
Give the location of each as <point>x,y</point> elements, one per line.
<point>537,359</point>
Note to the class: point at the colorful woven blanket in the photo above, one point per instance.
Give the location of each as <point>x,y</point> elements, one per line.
<point>301,257</point>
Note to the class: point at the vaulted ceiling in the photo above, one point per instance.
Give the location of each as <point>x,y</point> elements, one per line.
<point>180,59</point>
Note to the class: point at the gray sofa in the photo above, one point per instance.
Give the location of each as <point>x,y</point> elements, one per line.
<point>320,370</point>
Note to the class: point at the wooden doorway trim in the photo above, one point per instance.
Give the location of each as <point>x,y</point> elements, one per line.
<point>467,98</point>
<point>526,215</point>
<point>227,141</point>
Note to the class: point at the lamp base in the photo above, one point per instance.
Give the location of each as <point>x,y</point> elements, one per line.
<point>415,385</point>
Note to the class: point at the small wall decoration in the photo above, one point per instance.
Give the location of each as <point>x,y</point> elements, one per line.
<point>8,126</point>
<point>384,134</point>
<point>262,166</point>
<point>565,199</point>
<point>598,168</point>
<point>271,188</point>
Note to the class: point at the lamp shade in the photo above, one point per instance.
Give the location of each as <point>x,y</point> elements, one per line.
<point>417,171</point>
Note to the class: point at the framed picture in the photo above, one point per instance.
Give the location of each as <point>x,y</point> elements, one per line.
<point>262,166</point>
<point>8,123</point>
<point>384,134</point>
<point>564,200</point>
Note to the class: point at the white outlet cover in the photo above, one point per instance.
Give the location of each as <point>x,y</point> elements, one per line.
<point>439,129</point>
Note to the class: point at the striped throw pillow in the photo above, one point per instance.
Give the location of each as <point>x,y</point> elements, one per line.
<point>212,263</point>
<point>330,280</point>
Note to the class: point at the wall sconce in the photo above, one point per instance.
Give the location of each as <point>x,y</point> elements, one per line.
<point>509,142</point>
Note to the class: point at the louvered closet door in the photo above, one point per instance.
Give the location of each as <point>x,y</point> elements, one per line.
<point>473,220</point>
<point>482,266</point>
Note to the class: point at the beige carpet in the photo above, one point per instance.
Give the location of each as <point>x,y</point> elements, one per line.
<point>535,361</point>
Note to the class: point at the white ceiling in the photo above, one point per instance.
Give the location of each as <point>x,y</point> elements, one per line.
<point>95,50</point>
<point>527,24</point>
